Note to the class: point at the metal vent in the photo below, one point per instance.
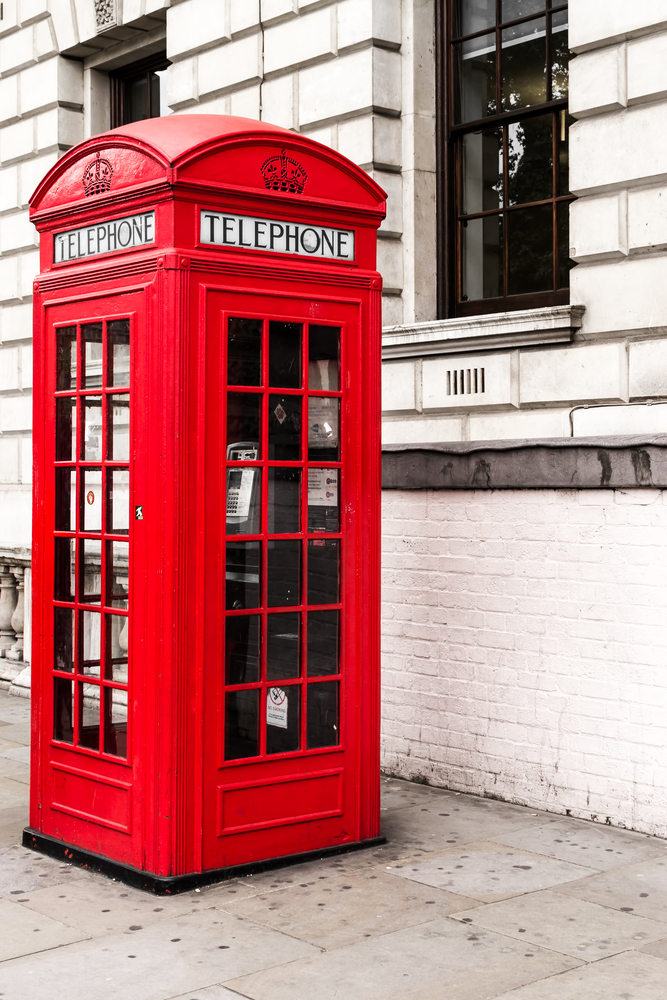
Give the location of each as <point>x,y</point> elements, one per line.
<point>465,381</point>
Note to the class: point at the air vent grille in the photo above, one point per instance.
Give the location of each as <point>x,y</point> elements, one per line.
<point>465,381</point>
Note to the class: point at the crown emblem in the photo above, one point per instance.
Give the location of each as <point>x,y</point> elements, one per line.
<point>282,173</point>
<point>97,176</point>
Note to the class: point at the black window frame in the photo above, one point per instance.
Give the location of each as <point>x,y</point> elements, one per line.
<point>448,155</point>
<point>118,78</point>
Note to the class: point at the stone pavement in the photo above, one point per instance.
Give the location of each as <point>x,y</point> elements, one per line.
<point>471,899</point>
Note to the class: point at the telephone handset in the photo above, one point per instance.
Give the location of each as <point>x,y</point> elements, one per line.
<point>243,490</point>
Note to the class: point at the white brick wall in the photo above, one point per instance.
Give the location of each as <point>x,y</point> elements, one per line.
<point>524,648</point>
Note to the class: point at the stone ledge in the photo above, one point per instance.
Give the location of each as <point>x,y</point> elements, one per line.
<point>523,328</point>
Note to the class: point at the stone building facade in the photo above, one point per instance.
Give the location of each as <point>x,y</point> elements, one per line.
<point>524,630</point>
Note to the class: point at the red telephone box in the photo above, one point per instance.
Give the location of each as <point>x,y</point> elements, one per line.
<point>206,514</point>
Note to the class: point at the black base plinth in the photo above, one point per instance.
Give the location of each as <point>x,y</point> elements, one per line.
<point>166,885</point>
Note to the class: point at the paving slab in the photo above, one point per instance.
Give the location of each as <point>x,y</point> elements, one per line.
<point>25,932</point>
<point>22,870</point>
<point>13,819</point>
<point>17,732</point>
<point>208,993</point>
<point>13,769</point>
<point>20,754</point>
<point>570,926</point>
<point>432,961</point>
<point>640,889</point>
<point>14,709</point>
<point>630,976</point>
<point>488,872</point>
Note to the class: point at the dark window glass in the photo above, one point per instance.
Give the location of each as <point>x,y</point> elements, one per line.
<point>282,646</point>
<point>285,428</point>
<point>322,725</point>
<point>242,649</point>
<point>559,56</point>
<point>285,355</point>
<point>241,724</point>
<point>63,635</point>
<point>92,355</point>
<point>244,351</point>
<point>531,250</point>
<point>482,170</point>
<point>482,258</point>
<point>284,501</point>
<point>116,648</point>
<point>118,336</point>
<point>65,569</point>
<point>138,91</point>
<point>530,160</point>
<point>115,722</point>
<point>475,78</point>
<point>89,716</point>
<point>118,579</point>
<point>323,349</point>
<point>323,641</point>
<point>243,422</point>
<point>564,262</point>
<point>323,571</point>
<point>90,643</point>
<point>63,709</point>
<point>283,572</point>
<point>66,429</point>
<point>282,719</point>
<point>65,500</point>
<point>523,61</point>
<point>242,575</point>
<point>473,15</point>
<point>66,377</point>
<point>90,557</point>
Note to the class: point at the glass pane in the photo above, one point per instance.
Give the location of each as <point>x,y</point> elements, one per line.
<point>560,56</point>
<point>482,171</point>
<point>244,351</point>
<point>475,78</point>
<point>512,10</point>
<point>91,499</point>
<point>473,15</point>
<point>65,429</point>
<point>530,160</point>
<point>63,709</point>
<point>135,99</point>
<point>118,500</point>
<point>118,338</point>
<point>565,265</point>
<point>119,428</point>
<point>241,724</point>
<point>322,726</point>
<point>283,572</point>
<point>90,555</point>
<point>243,501</point>
<point>323,571</point>
<point>90,643</point>
<point>242,576</point>
<point>242,649</point>
<point>563,126</point>
<point>63,639</point>
<point>243,422</point>
<point>65,569</point>
<point>89,716</point>
<point>116,648</point>
<point>65,500</point>
<point>284,501</point>
<point>531,250</point>
<point>285,428</point>
<point>523,65</point>
<point>323,348</point>
<point>118,579</point>
<point>115,722</point>
<point>285,354</point>
<point>66,376</point>
<point>481,258</point>
<point>323,640</point>
<point>92,429</point>
<point>282,646</point>
<point>282,719</point>
<point>154,110</point>
<point>91,334</point>
<point>323,422</point>
<point>323,503</point>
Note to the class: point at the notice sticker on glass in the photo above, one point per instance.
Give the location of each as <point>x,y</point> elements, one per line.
<point>322,487</point>
<point>276,708</point>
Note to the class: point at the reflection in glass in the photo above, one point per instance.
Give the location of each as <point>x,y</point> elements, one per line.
<point>63,639</point>
<point>118,501</point>
<point>91,499</point>
<point>116,648</point>
<point>475,78</point>
<point>118,339</point>
<point>243,419</point>
<point>322,726</point>
<point>323,423</point>
<point>323,571</point>
<point>244,490</point>
<point>118,579</point>
<point>90,642</point>
<point>242,649</point>
<point>482,171</point>
<point>92,429</point>
<point>285,428</point>
<point>323,640</point>
<point>285,354</point>
<point>282,646</point>
<point>283,572</point>
<point>512,10</point>
<point>284,501</point>
<point>90,555</point>
<point>89,716</point>
<point>481,258</point>
<point>91,334</point>
<point>564,262</point>
<point>115,722</point>
<point>63,709</point>
<point>323,502</point>
<point>136,99</point>
<point>65,499</point>
<point>564,121</point>
<point>523,65</point>
<point>241,724</point>
<point>244,351</point>
<point>323,348</point>
<point>65,569</point>
<point>242,575</point>
<point>531,250</point>
<point>560,56</point>
<point>66,372</point>
<point>530,160</point>
<point>282,719</point>
<point>118,424</point>
<point>65,429</point>
<point>473,15</point>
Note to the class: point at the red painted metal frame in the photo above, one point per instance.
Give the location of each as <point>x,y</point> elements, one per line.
<point>161,811</point>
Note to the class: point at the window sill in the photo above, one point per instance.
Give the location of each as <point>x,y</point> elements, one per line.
<point>523,328</point>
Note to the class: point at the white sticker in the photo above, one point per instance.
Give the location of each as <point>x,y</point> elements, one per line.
<point>276,708</point>
<point>322,487</point>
